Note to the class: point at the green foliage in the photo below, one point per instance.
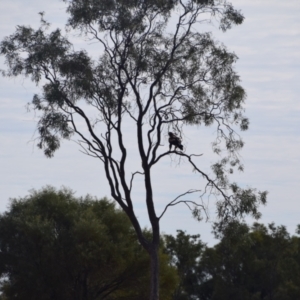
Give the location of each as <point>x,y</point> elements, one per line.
<point>248,263</point>
<point>186,69</point>
<point>56,246</point>
<point>185,251</point>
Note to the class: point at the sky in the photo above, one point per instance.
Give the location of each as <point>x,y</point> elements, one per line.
<point>268,47</point>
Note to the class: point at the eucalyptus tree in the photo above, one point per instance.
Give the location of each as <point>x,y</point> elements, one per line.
<point>155,72</point>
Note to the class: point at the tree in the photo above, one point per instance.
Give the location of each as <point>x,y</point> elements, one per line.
<point>56,246</point>
<point>155,73</point>
<point>251,263</point>
<point>185,251</point>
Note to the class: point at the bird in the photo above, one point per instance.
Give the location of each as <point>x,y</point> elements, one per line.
<point>174,140</point>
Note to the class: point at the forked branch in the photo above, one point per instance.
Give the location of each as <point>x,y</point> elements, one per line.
<point>187,202</point>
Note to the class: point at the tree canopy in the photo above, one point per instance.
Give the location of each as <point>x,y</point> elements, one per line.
<point>185,251</point>
<point>249,262</point>
<point>54,245</point>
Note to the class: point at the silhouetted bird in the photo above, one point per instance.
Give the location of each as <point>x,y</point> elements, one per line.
<point>174,140</point>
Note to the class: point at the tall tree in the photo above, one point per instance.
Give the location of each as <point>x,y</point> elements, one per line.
<point>56,246</point>
<point>156,73</point>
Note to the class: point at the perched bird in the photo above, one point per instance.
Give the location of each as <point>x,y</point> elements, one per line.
<point>174,140</point>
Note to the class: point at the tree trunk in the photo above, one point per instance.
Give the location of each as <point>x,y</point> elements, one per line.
<point>152,247</point>
<point>154,275</point>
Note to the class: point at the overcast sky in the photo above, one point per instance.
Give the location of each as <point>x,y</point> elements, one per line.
<point>268,47</point>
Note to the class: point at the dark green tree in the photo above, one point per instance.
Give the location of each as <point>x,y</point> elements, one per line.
<point>155,73</point>
<point>185,251</point>
<point>257,263</point>
<point>56,246</point>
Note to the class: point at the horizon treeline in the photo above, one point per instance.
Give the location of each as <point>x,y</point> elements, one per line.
<point>54,245</point>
